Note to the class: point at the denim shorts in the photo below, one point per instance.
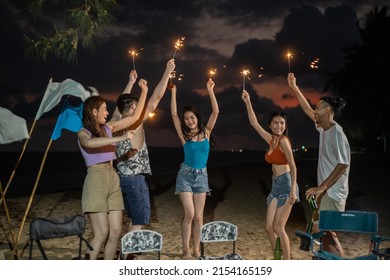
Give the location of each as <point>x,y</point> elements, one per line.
<point>281,187</point>
<point>192,180</point>
<point>135,192</point>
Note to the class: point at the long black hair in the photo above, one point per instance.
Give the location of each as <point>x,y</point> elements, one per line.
<point>278,114</point>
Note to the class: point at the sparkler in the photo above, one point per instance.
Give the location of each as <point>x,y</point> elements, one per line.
<point>212,72</point>
<point>134,54</point>
<point>179,43</point>
<point>245,74</point>
<point>289,56</point>
<point>152,115</point>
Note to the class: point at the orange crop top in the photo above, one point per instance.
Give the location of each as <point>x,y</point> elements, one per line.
<point>276,157</point>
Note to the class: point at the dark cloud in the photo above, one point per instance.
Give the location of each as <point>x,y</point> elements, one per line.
<point>227,35</point>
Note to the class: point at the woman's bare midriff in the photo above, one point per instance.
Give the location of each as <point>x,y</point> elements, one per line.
<point>278,170</point>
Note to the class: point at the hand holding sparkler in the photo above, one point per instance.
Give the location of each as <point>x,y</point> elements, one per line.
<point>133,76</point>
<point>210,84</point>
<point>292,81</point>
<point>245,96</point>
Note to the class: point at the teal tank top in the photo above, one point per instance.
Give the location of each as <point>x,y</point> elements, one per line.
<point>196,153</point>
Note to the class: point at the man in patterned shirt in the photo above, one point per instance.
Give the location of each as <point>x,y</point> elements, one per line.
<point>133,159</point>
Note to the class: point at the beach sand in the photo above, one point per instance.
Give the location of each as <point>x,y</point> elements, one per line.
<point>238,196</point>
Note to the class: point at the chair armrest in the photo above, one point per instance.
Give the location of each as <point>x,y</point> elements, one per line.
<point>377,240</point>
<point>311,237</point>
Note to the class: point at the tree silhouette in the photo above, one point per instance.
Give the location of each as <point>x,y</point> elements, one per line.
<point>75,24</point>
<point>364,82</point>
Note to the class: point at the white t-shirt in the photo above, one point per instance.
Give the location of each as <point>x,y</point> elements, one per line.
<point>334,149</point>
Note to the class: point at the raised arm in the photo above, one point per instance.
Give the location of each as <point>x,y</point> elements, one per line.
<point>253,119</point>
<point>132,78</point>
<point>214,106</point>
<point>292,82</point>
<point>175,117</point>
<point>160,89</point>
<point>129,120</point>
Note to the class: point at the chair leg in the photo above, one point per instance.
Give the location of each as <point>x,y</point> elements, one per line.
<point>86,242</point>
<point>42,250</point>
<point>31,248</point>
<point>80,245</point>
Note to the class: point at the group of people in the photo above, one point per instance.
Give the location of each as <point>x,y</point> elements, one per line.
<point>117,159</point>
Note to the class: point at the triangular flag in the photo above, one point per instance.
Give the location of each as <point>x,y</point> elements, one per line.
<point>70,119</point>
<point>12,127</point>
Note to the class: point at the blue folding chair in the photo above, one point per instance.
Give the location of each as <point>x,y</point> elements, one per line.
<point>349,221</point>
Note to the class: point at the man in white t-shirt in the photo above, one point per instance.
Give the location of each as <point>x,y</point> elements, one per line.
<point>334,159</point>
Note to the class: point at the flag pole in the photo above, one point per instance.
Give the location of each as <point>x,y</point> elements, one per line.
<point>34,188</point>
<point>8,217</point>
<point>31,198</point>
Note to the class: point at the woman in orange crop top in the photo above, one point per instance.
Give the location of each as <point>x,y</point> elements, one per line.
<point>284,191</point>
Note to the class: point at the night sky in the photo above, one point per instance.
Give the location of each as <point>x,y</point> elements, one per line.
<point>225,35</point>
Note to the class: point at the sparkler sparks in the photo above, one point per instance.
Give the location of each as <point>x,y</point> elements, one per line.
<point>314,63</point>
<point>179,43</point>
<point>261,72</point>
<point>212,72</point>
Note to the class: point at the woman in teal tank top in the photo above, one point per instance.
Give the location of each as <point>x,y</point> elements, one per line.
<point>192,180</point>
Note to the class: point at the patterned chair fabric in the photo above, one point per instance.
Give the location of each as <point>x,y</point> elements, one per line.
<point>139,241</point>
<point>219,231</point>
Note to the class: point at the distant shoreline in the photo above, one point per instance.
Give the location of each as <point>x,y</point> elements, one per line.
<point>66,170</point>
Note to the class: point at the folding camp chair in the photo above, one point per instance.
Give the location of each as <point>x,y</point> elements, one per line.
<point>359,222</point>
<point>49,228</point>
<point>139,241</point>
<point>219,231</point>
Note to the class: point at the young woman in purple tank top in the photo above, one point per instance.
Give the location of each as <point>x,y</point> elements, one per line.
<point>192,181</point>
<point>102,199</point>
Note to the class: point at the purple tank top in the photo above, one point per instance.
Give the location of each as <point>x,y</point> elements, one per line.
<point>94,156</point>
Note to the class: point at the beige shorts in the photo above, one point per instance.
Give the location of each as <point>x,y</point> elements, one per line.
<point>328,203</point>
<point>101,190</point>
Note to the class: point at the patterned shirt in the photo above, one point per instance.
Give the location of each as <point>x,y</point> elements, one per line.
<point>137,164</point>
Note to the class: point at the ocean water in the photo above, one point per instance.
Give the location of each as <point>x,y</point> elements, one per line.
<point>66,170</point>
